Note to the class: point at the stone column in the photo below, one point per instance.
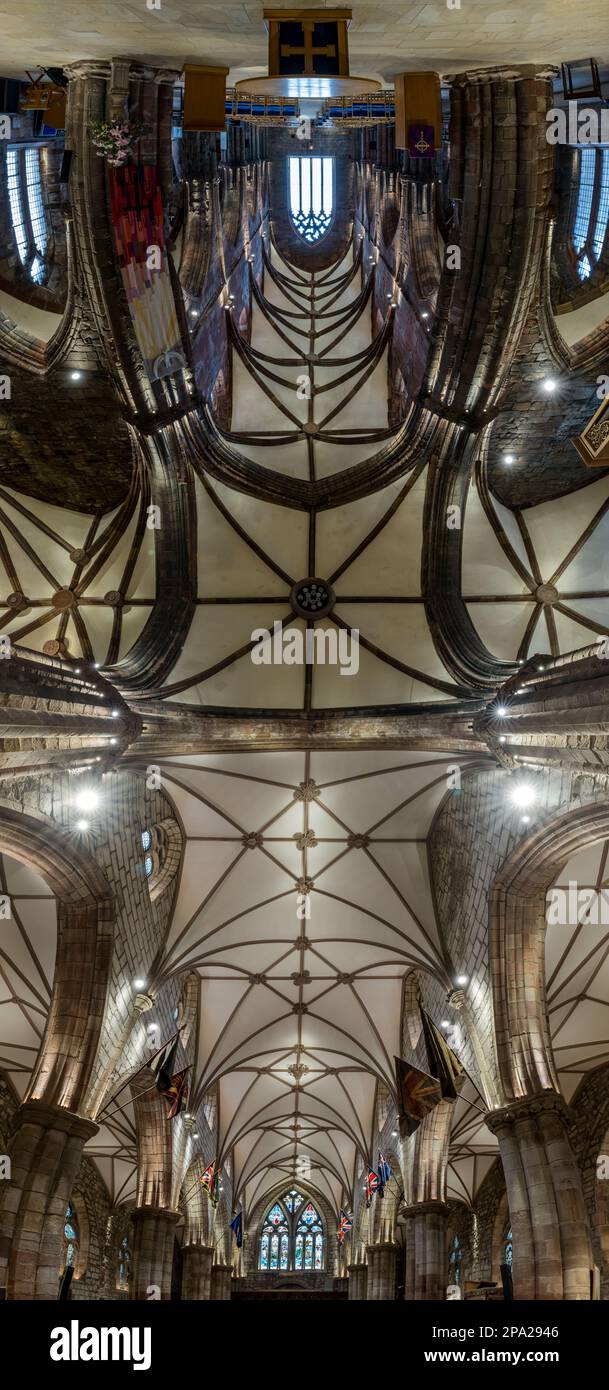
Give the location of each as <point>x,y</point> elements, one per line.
<point>426,1277</point>
<point>358,1278</point>
<point>381,1270</point>
<point>46,1150</point>
<point>221,1283</point>
<point>410,1262</point>
<point>196,1271</point>
<point>552,1247</point>
<point>152,1251</point>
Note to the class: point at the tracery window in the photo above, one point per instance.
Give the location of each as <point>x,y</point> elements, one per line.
<point>592,212</point>
<point>508,1248</point>
<point>124,1264</point>
<point>292,1235</point>
<point>455,1261</point>
<point>311,189</point>
<point>161,845</point>
<point>27,209</point>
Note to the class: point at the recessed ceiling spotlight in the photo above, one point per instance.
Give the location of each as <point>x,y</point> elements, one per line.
<point>549,385</point>
<point>446,1023</point>
<point>501,712</point>
<point>509,458</point>
<point>523,794</point>
<point>461,980</point>
<point>82,825</point>
<point>139,984</point>
<point>87,799</point>
<point>425,314</point>
<point>525,820</point>
<point>502,738</point>
<point>75,376</point>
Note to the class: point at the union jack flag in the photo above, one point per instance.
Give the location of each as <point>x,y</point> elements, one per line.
<point>372,1185</point>
<point>344,1225</point>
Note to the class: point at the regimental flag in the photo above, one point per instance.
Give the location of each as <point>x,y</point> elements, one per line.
<point>214,1195</point>
<point>345,1223</point>
<point>418,1093</point>
<point>372,1183</point>
<point>443,1062</point>
<point>206,1179</point>
<point>384,1174</point>
<point>161,1065</point>
<point>177,1093</point>
<point>236,1226</point>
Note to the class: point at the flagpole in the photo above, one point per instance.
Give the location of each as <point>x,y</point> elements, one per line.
<point>136,1073</point>
<point>133,1098</point>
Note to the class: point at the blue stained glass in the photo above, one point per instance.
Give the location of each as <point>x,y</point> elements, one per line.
<point>584,201</point>
<point>602,215</point>
<point>146,839</point>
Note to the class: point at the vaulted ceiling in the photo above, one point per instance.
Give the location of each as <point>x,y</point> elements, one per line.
<point>28,938</point>
<point>304,897</point>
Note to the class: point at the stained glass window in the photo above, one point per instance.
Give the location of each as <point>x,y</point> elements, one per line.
<point>70,1237</point>
<point>292,1235</point>
<point>592,212</point>
<point>509,1248</point>
<point>311,188</point>
<point>124,1264</point>
<point>27,209</point>
<point>454,1261</point>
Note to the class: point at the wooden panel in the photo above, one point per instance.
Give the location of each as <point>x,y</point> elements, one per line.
<point>282,25</point>
<point>417,102</point>
<point>204,97</point>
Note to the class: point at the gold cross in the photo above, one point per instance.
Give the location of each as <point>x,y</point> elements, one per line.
<point>288,51</point>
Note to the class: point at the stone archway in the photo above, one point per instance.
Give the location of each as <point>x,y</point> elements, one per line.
<point>552,1247</point>
<point>50,1131</point>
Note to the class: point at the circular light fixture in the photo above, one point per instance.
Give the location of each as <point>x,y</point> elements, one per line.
<point>502,738</point>
<point>82,825</point>
<point>75,376</point>
<point>549,385</point>
<point>462,980</point>
<point>524,794</point>
<point>501,712</point>
<point>446,1023</point>
<point>312,598</point>
<point>525,820</point>
<point>425,314</point>
<point>509,458</point>
<point>139,984</point>
<point>114,740</point>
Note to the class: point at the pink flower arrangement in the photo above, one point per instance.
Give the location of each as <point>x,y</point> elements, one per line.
<point>114,140</point>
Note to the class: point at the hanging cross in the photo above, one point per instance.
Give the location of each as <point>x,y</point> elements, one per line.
<point>327,51</point>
